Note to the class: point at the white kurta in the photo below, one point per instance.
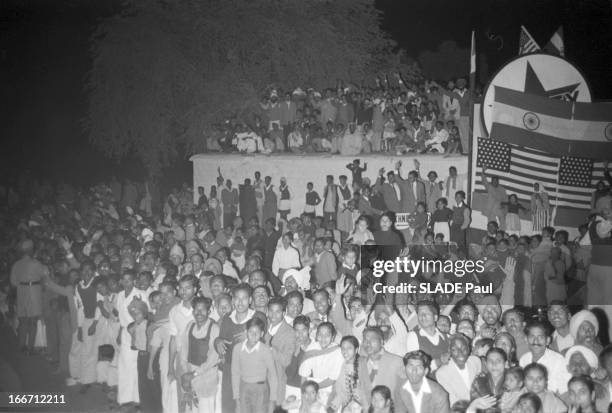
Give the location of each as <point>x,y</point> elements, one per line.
<point>127,368</point>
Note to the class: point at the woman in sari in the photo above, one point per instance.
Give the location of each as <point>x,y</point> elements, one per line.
<point>347,394</point>
<point>539,207</point>
<point>323,361</point>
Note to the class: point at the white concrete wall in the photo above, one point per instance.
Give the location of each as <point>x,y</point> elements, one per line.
<point>301,169</point>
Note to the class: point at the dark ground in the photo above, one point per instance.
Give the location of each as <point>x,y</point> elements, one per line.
<point>35,374</point>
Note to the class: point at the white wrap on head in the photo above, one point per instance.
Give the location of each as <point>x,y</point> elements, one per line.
<point>579,318</point>
<point>589,355</point>
<point>301,277</point>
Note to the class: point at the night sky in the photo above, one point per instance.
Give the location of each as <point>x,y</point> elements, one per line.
<point>44,54</point>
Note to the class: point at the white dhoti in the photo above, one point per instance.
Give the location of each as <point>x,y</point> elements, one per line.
<point>127,369</point>
<point>168,388</point>
<point>74,358</point>
<point>83,356</point>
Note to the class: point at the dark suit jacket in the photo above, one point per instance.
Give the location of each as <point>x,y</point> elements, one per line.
<point>409,201</point>
<point>434,402</point>
<point>366,208</point>
<point>283,346</point>
<point>389,195</point>
<point>390,373</point>
<point>269,243</point>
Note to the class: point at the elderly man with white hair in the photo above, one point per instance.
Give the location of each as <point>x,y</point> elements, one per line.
<point>584,327</point>
<point>582,361</point>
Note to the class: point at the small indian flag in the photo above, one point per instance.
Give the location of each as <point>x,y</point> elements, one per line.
<point>473,62</point>
<point>555,44</point>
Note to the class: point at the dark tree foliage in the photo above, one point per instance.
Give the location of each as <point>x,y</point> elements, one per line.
<point>164,72</point>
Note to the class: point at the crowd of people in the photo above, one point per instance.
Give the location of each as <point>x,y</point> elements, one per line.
<point>394,116</point>
<point>235,303</point>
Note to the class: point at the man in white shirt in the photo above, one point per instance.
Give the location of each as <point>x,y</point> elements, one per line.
<point>180,315</point>
<point>539,339</point>
<point>127,389</point>
<point>559,316</point>
<point>285,257</point>
<point>418,394</point>
<point>438,137</point>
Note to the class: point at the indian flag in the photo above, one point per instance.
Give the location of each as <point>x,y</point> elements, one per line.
<point>554,126</point>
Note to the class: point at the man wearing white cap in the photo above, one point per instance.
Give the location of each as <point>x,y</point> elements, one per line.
<point>26,276</point>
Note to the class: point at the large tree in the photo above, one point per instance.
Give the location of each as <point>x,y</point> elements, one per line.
<point>165,71</point>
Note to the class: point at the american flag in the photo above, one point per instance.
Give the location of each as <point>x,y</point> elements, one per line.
<point>526,42</point>
<point>569,181</point>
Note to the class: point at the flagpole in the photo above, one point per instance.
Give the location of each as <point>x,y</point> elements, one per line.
<point>553,216</point>
<point>472,90</point>
<point>473,64</point>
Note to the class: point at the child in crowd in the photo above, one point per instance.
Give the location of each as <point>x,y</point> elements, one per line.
<point>513,389</point>
<point>440,219</point>
<point>357,170</point>
<point>309,402</point>
<point>254,380</point>
<point>312,200</point>
<point>528,403</point>
<point>381,400</point>
<point>361,234</point>
<point>419,223</point>
<point>223,306</point>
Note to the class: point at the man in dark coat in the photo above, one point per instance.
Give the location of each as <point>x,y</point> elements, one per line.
<point>248,202</point>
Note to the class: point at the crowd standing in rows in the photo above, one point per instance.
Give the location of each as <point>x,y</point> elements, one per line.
<point>399,116</point>
<point>238,304</point>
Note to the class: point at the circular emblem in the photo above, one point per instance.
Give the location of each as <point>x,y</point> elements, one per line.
<point>608,132</point>
<point>531,121</point>
<point>538,74</point>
